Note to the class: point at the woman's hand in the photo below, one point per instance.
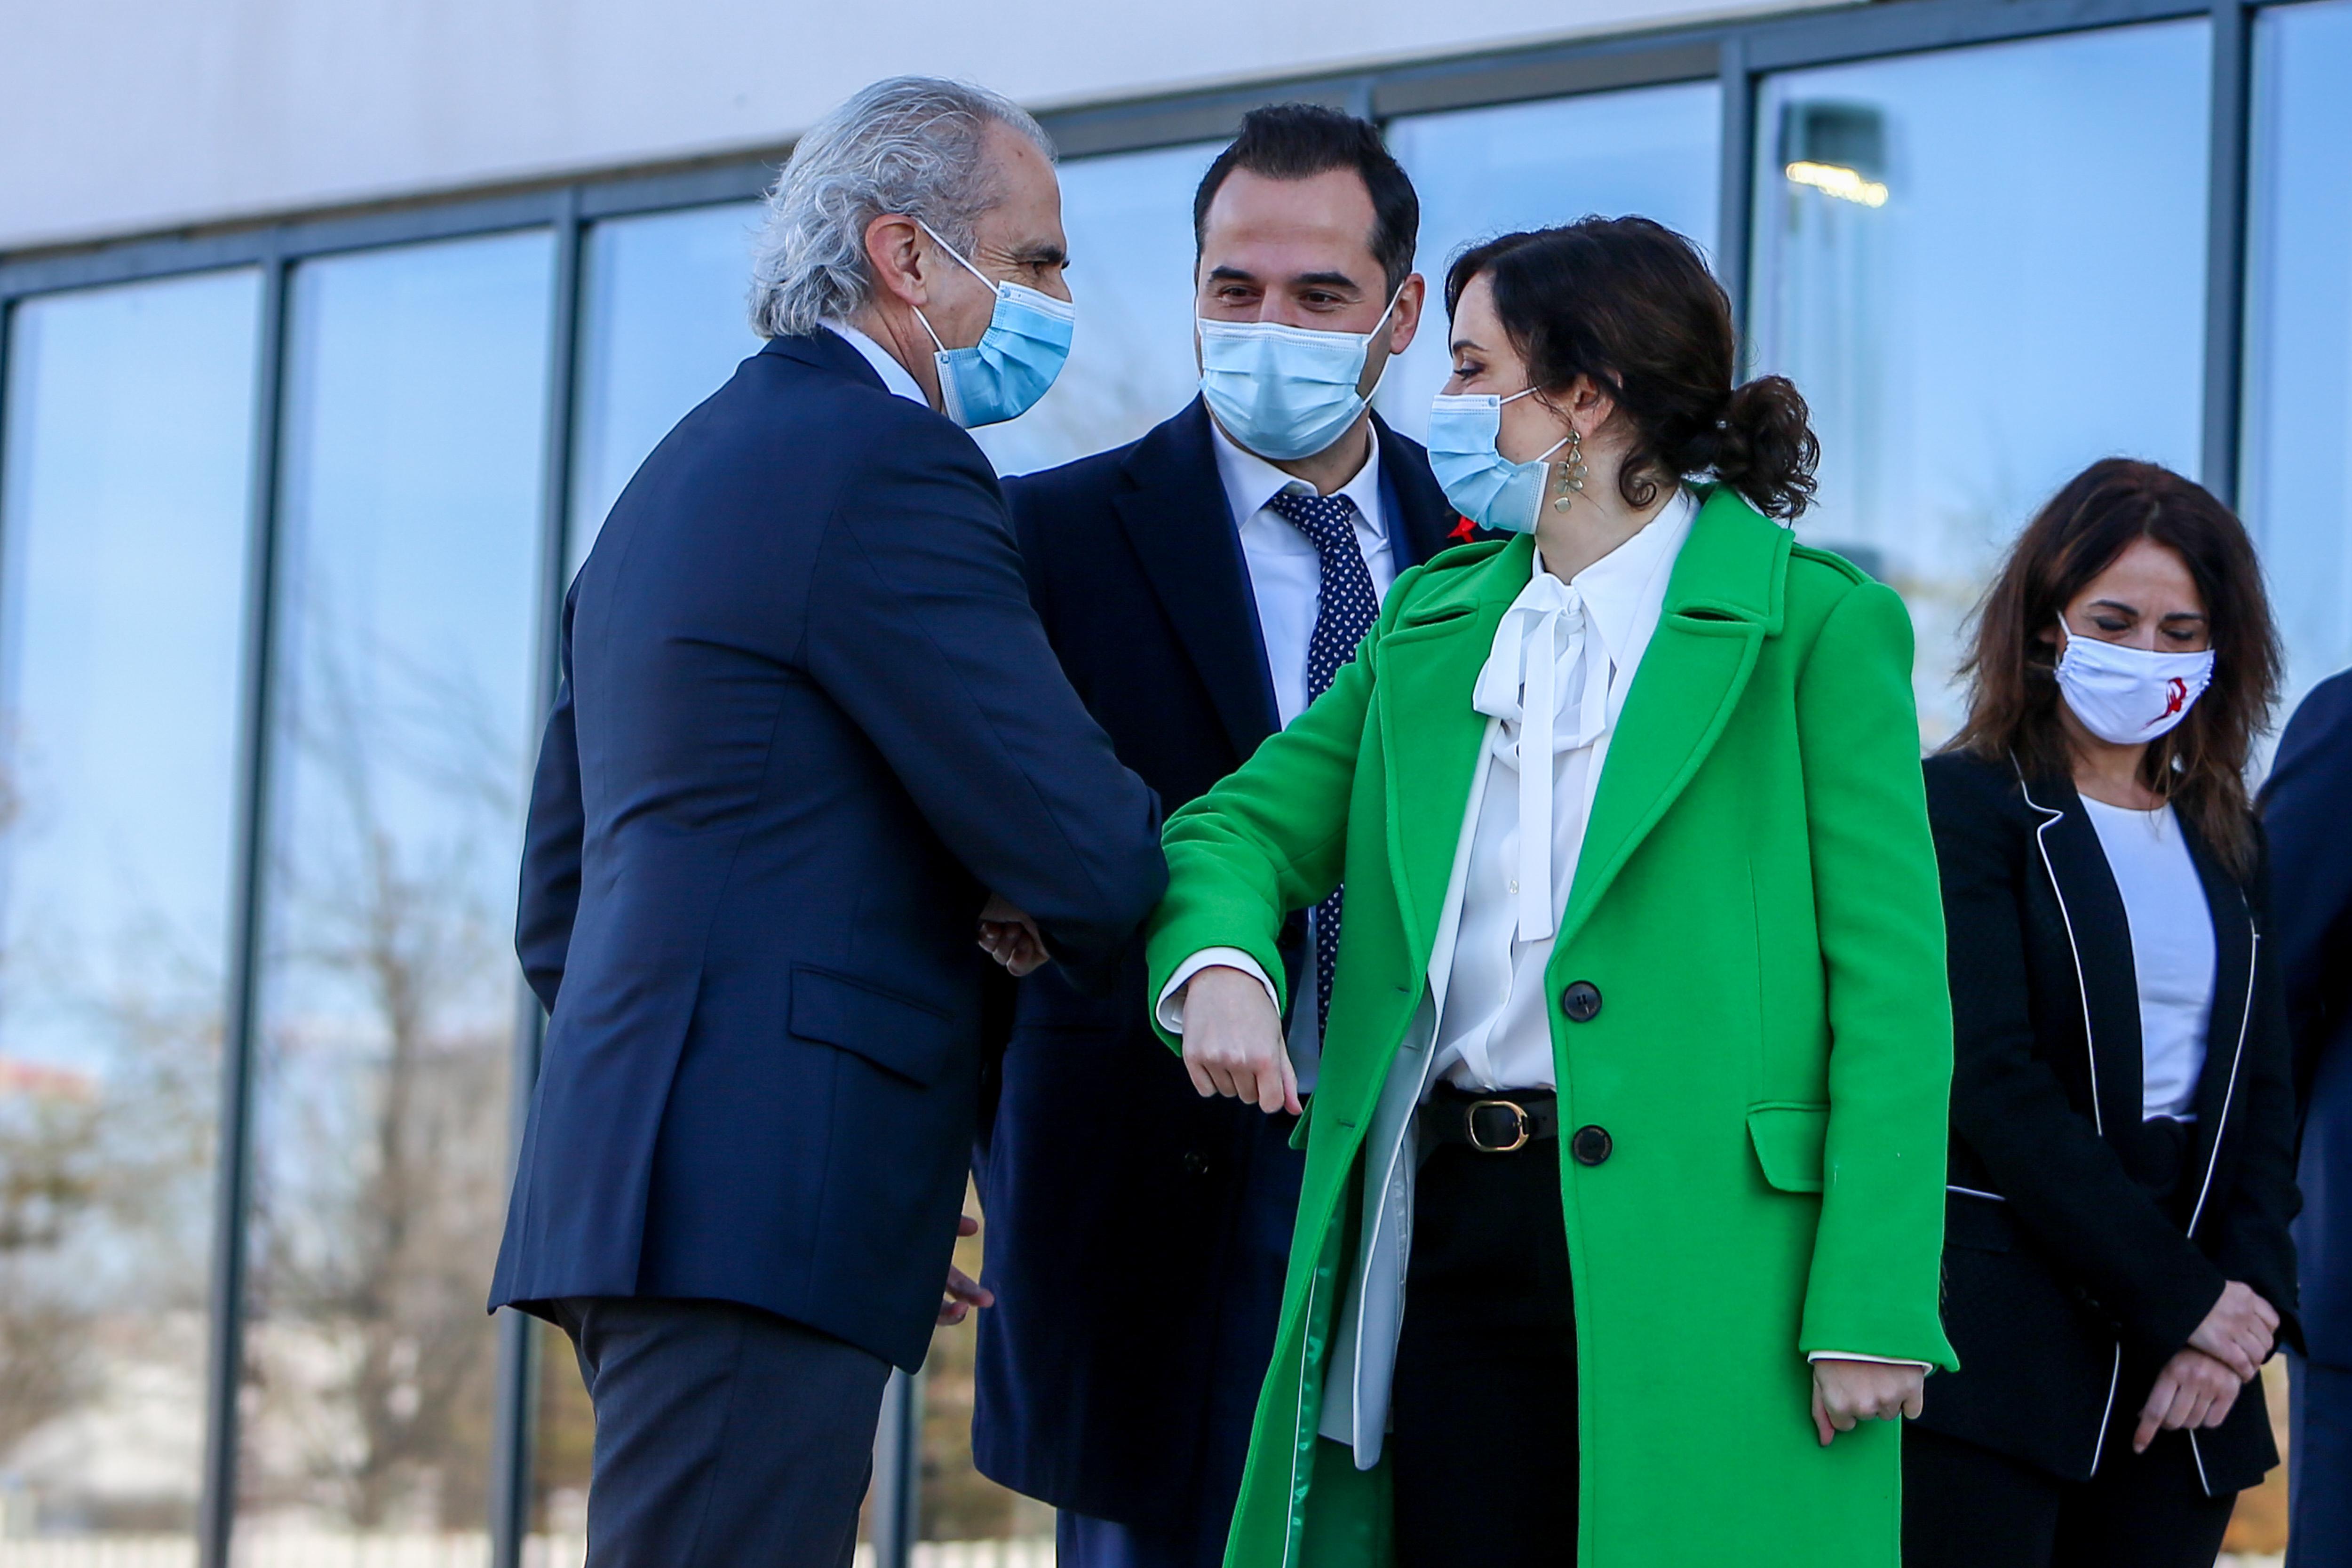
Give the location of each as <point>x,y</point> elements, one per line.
<point>2239,1331</point>
<point>1845,1392</point>
<point>1232,1041</point>
<point>1011,937</point>
<point>2194,1390</point>
<point>963,1292</point>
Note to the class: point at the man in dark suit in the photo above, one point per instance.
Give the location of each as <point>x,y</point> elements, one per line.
<point>808,724</point>
<point>1200,587</point>
<point>2306,807</point>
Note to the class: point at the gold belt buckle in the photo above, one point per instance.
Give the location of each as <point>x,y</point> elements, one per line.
<point>1523,1122</point>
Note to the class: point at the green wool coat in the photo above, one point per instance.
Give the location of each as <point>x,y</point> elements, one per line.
<point>1757,901</point>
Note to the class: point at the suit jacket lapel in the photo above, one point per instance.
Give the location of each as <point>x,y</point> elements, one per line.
<point>2097,926</point>
<point>1722,600</point>
<point>1182,528</point>
<point>2226,1025</point>
<point>1422,522</point>
<point>1430,733</point>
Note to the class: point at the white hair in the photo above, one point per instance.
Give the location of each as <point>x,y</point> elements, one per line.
<point>912,145</point>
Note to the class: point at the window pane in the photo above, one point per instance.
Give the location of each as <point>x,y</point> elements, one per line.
<point>2297,486</point>
<point>1986,269</point>
<point>662,323</point>
<point>127,447</point>
<point>1129,219</point>
<point>1655,151</point>
<point>402,734</point>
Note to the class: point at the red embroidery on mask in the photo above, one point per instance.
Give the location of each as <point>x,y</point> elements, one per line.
<point>2176,696</point>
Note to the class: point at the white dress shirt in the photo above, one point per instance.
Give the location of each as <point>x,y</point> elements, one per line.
<point>2171,945</point>
<point>1284,572</point>
<point>896,377</point>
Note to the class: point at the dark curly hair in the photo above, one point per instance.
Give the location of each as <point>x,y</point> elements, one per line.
<point>2199,765</point>
<point>1630,303</point>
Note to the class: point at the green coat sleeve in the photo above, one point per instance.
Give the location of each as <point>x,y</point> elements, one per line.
<point>1875,1279</point>
<point>1272,837</point>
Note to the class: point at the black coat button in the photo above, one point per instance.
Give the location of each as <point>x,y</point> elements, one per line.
<point>1580,1002</point>
<point>1195,1162</point>
<point>1591,1145</point>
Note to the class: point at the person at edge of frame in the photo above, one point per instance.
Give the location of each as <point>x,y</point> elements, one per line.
<point>1201,585</point>
<point>1603,927</point>
<point>2116,1264</point>
<point>2307,811</point>
<point>810,745</point>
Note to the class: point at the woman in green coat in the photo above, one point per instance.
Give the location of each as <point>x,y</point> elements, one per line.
<point>1624,1185</point>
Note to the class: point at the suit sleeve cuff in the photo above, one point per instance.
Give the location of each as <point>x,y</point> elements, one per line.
<point>1170,1007</point>
<point>1874,1360</point>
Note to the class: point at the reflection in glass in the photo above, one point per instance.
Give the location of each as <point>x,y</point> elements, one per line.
<point>662,323</point>
<point>1655,151</point>
<point>404,723</point>
<point>1985,268</point>
<point>2296,484</point>
<point>123,513</point>
<point>1130,220</point>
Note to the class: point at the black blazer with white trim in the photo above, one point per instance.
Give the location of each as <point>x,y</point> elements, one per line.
<point>2060,1269</point>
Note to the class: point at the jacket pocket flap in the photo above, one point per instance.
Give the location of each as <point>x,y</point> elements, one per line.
<point>895,1033</point>
<point>1788,1139</point>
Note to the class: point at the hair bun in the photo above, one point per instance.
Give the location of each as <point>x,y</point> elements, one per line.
<point>1764,446</point>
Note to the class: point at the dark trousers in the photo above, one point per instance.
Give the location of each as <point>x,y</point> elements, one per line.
<point>2319,1463</point>
<point>1967,1506</point>
<point>726,1437</point>
<point>1247,1312</point>
<point>1483,1450</point>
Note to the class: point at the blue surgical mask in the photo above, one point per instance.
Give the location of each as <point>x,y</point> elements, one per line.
<point>1480,483</point>
<point>1285,392</point>
<point>1003,376</point>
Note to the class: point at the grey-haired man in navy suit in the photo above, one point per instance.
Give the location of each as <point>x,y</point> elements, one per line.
<point>1199,585</point>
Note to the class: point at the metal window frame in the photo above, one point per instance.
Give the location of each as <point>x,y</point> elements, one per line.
<point>1737,52</point>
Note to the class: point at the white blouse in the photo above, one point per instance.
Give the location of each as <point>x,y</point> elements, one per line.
<point>2171,946</point>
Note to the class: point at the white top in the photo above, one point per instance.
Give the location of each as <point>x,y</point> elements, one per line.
<point>2172,949</point>
<point>1286,573</point>
<point>896,377</point>
<point>1554,683</point>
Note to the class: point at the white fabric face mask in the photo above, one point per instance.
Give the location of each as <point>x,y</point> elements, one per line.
<point>2127,695</point>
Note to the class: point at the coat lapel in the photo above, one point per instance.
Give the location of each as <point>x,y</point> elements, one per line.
<point>1430,735</point>
<point>1182,528</point>
<point>1722,602</point>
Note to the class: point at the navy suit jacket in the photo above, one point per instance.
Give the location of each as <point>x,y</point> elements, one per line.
<point>808,719</point>
<point>1111,1187</point>
<point>2307,808</point>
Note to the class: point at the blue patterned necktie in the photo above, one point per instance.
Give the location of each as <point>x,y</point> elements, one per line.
<point>1346,605</point>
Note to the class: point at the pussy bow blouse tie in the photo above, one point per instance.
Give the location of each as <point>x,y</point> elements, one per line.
<point>1546,679</point>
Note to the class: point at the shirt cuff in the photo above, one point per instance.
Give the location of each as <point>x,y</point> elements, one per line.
<point>1171,1009</point>
<point>1874,1359</point>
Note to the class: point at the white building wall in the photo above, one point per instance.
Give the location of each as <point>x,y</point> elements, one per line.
<point>130,116</point>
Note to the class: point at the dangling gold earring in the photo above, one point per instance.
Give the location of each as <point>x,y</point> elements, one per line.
<point>1571,471</point>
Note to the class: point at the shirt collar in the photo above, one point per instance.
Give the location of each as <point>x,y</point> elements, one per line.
<point>895,378</point>
<point>1251,481</point>
<point>1625,590</point>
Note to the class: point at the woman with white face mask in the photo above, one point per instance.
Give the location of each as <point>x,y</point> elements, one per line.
<point>2116,1263</point>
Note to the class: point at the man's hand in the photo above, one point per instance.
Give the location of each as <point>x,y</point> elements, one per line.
<point>2194,1390</point>
<point>963,1292</point>
<point>1232,1041</point>
<point>1845,1392</point>
<point>2239,1331</point>
<point>1011,938</point>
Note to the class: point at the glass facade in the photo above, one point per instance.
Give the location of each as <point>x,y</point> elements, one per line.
<point>2298,444</point>
<point>1984,269</point>
<point>124,515</point>
<point>1985,266</point>
<point>1655,151</point>
<point>402,730</point>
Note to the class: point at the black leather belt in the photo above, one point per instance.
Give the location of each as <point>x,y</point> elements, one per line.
<point>1501,1122</point>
